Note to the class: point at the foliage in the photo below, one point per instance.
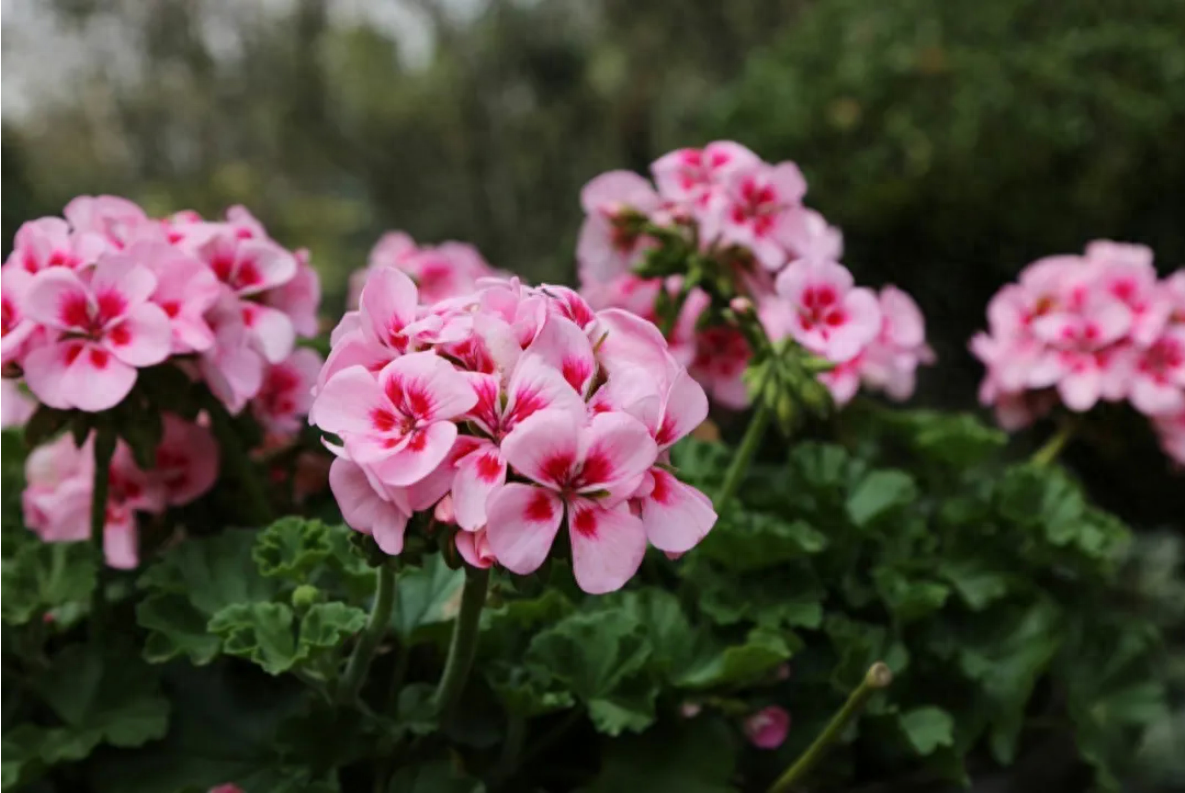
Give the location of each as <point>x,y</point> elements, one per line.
<point>990,588</point>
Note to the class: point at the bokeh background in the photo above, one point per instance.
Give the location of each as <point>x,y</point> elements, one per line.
<point>952,140</point>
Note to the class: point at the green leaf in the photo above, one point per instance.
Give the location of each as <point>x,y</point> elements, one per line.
<point>879,494</point>
<point>744,540</point>
<point>957,440</point>
<point>41,576</point>
<point>291,547</point>
<point>908,599</point>
<point>427,595</point>
<point>690,756</point>
<point>260,632</point>
<point>739,665</point>
<point>191,583</point>
<point>664,624</point>
<point>326,625</point>
<point>101,698</point>
<point>928,728</point>
<point>975,581</point>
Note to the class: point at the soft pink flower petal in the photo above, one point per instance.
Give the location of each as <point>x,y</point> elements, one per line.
<point>523,521</point>
<point>418,456</point>
<point>425,386</point>
<point>142,338</point>
<point>544,448</point>
<point>388,306</point>
<point>565,347</point>
<point>474,547</point>
<point>349,401</point>
<point>270,331</point>
<point>78,374</point>
<point>478,475</point>
<point>364,509</point>
<point>122,275</point>
<point>57,298</point>
<point>616,450</point>
<point>608,545</point>
<point>676,516</point>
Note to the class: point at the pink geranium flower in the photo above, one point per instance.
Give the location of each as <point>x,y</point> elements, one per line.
<point>693,176</point>
<point>891,360</point>
<point>750,210</point>
<point>17,329</point>
<point>186,460</point>
<point>107,328</point>
<point>828,314</point>
<point>607,246</point>
<point>50,242</point>
<point>286,394</point>
<point>1158,377</point>
<point>400,423</point>
<point>585,472</point>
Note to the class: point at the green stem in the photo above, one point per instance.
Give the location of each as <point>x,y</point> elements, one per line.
<point>104,451</point>
<point>372,635</point>
<point>672,318</point>
<point>463,646</point>
<point>879,676</point>
<point>237,461</point>
<point>512,748</point>
<point>1048,453</point>
<point>754,435</point>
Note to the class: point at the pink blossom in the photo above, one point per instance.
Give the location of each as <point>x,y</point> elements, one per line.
<point>50,242</point>
<point>1158,379</point>
<point>585,471</point>
<point>18,330</point>
<point>750,210</point>
<point>185,290</point>
<point>285,396</point>
<point>768,727</point>
<point>186,461</point>
<point>1126,273</point>
<point>721,355</point>
<point>828,314</point>
<point>891,360</point>
<point>368,506</point>
<point>474,548</point>
<point>117,220</point>
<point>107,329</point>
<point>16,406</point>
<point>807,235</point>
<point>398,424</point>
<point>300,297</point>
<point>693,176</point>
<point>610,243</point>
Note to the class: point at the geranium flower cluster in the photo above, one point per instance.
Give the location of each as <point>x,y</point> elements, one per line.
<point>744,218</point>
<point>1077,330</point>
<point>60,487</point>
<point>507,411</point>
<point>91,299</point>
<point>450,269</point>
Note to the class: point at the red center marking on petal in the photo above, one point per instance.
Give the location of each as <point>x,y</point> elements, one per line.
<point>74,311</point>
<point>489,467</point>
<point>585,523</point>
<point>597,468</point>
<point>666,432</point>
<point>382,419</point>
<point>99,358</point>
<point>557,468</point>
<point>576,371</point>
<point>172,308</point>
<point>111,305</point>
<point>662,487</point>
<point>539,509</point>
<point>248,274</point>
<point>71,353</point>
<point>120,335</point>
<point>418,441</point>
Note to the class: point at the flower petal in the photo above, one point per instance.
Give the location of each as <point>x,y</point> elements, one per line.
<point>478,475</point>
<point>523,521</point>
<point>423,450</point>
<point>544,448</point>
<point>607,545</point>
<point>676,516</point>
<point>142,338</point>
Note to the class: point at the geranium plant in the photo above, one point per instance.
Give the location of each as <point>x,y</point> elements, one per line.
<point>478,548</point>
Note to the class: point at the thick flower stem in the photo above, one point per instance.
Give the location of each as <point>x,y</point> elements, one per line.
<point>104,452</point>
<point>463,646</point>
<point>237,461</point>
<point>1047,454</point>
<point>878,676</point>
<point>744,456</point>
<point>372,635</point>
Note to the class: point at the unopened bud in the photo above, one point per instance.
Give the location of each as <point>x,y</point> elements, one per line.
<point>741,305</point>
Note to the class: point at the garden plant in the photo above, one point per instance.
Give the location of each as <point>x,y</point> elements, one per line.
<point>663,532</point>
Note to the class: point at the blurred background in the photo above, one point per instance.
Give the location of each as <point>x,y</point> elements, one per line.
<point>952,140</point>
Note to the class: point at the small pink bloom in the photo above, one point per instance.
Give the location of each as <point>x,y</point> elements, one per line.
<point>285,395</point>
<point>116,219</point>
<point>1158,380</point>
<point>891,360</point>
<point>1126,273</point>
<point>186,461</point>
<point>585,471</point>
<point>751,209</point>
<point>843,380</point>
<point>300,297</point>
<point>806,235</point>
<point>233,367</point>
<point>767,728</point>
<point>831,317</point>
<point>399,424</point>
<point>693,176</point>
<point>474,548</point>
<point>185,290</point>
<point>17,330</point>
<point>17,407</point>
<point>49,242</point>
<point>608,245</point>
<point>107,329</point>
<point>721,355</point>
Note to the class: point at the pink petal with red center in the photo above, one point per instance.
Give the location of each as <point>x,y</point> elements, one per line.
<point>616,451</point>
<point>425,387</point>
<point>142,338</point>
<point>78,374</point>
<point>535,386</point>
<point>685,409</point>
<point>352,402</point>
<point>545,448</point>
<point>416,456</point>
<point>57,298</point>
<point>478,475</point>
<point>388,306</point>
<point>523,521</point>
<point>618,189</point>
<point>261,265</point>
<point>269,330</point>
<point>121,275</point>
<point>607,545</point>
<point>186,460</point>
<point>676,516</point>
<point>861,324</point>
<point>626,339</point>
<point>563,346</point>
